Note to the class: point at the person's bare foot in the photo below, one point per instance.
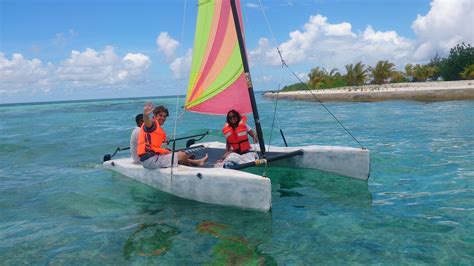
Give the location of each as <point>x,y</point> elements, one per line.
<point>202,160</point>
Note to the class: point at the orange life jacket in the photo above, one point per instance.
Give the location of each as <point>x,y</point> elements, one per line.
<point>151,142</point>
<point>237,138</point>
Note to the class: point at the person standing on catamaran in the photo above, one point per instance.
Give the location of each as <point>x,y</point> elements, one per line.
<point>151,138</point>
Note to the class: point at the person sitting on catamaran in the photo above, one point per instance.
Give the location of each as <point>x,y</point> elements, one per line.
<point>152,136</point>
<point>235,131</point>
<point>238,148</point>
<point>134,139</point>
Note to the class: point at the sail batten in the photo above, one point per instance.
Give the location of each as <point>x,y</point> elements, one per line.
<point>217,68</point>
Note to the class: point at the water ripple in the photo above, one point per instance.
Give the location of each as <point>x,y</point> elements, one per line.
<point>58,206</point>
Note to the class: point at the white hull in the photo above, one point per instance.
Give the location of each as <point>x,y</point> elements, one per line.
<point>208,185</point>
<point>237,188</point>
<point>346,161</point>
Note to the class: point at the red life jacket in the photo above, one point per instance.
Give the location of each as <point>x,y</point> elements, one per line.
<point>151,142</point>
<point>237,138</point>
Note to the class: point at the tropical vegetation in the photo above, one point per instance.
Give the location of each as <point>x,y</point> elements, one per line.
<point>356,74</point>
<point>460,57</point>
<point>458,65</point>
<point>468,72</point>
<point>320,78</point>
<point>382,72</point>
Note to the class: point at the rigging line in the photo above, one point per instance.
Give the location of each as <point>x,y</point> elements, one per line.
<point>294,74</point>
<point>177,96</point>
<point>268,25</point>
<point>181,115</point>
<point>323,105</point>
<point>278,50</point>
<point>277,98</point>
<point>275,110</point>
<point>274,117</point>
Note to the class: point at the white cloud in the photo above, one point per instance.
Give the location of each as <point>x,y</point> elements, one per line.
<point>182,65</point>
<point>179,66</point>
<point>19,72</point>
<point>81,70</point>
<point>92,68</point>
<point>377,45</point>
<point>136,65</point>
<point>265,52</point>
<point>321,43</point>
<point>447,23</point>
<point>167,45</point>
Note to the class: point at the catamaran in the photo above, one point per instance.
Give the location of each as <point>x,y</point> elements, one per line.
<point>220,81</point>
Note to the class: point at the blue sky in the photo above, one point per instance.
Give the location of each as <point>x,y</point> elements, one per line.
<point>68,50</point>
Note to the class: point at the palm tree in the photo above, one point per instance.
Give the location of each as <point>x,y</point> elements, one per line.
<point>332,77</point>
<point>356,75</point>
<point>422,72</point>
<point>397,77</point>
<point>317,77</point>
<point>382,71</point>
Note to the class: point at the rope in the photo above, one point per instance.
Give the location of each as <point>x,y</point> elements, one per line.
<point>298,78</point>
<point>177,96</point>
<point>274,117</point>
<point>323,105</point>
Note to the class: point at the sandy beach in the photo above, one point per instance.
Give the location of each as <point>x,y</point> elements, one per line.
<point>422,91</point>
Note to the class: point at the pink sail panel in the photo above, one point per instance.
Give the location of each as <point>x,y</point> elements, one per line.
<point>231,98</point>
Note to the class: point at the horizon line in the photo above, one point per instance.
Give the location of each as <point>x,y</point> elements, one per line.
<point>92,100</point>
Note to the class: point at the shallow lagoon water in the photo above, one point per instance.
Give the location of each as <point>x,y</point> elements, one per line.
<point>59,206</point>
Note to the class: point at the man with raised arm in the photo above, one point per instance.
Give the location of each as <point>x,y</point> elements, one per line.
<point>151,138</point>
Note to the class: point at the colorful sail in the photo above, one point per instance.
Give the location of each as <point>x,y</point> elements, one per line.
<point>217,81</point>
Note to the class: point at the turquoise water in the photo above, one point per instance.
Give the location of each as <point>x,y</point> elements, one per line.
<point>59,206</point>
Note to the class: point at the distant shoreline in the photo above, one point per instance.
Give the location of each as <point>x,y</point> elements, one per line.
<point>422,91</point>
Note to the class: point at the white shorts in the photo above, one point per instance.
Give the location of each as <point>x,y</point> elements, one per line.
<point>235,159</point>
<point>160,161</point>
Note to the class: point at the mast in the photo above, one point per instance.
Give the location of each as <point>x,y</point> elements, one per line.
<point>247,75</point>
